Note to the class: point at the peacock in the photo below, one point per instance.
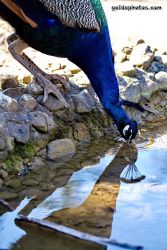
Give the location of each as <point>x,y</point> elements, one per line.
<point>77,30</point>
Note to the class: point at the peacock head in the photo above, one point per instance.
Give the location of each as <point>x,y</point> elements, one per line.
<point>128,130</point>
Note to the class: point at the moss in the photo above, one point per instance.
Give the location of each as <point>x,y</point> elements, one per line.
<point>25,151</point>
<point>16,158</point>
<point>13,163</point>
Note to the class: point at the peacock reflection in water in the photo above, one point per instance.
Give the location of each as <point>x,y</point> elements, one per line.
<point>89,196</point>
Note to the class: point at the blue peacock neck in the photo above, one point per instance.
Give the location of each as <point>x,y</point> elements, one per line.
<point>93,54</point>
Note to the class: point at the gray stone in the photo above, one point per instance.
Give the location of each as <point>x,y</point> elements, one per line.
<point>157,66</point>
<point>3,174</point>
<point>84,102</point>
<point>7,103</point>
<point>161,78</point>
<point>60,148</point>
<point>142,56</point>
<point>14,183</point>
<point>21,132</point>
<point>38,121</point>
<point>30,182</point>
<point>53,104</point>
<point>10,143</point>
<point>51,125</point>
<point>34,88</point>
<point>8,195</point>
<point>2,143</point>
<point>37,163</point>
<point>28,102</point>
<point>15,93</point>
<point>81,132</point>
<point>148,87</point>
<point>131,92</point>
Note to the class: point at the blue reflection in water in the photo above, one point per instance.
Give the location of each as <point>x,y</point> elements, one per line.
<point>77,190</point>
<point>9,232</point>
<point>141,208</point>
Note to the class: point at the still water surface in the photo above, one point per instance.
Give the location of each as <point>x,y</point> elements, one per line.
<point>131,209</point>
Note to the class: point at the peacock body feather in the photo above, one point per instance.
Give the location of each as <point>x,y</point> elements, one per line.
<point>77,30</point>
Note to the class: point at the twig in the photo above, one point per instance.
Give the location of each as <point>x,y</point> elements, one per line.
<point>70,231</point>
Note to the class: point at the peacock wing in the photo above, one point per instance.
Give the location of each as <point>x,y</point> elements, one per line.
<point>74,13</point>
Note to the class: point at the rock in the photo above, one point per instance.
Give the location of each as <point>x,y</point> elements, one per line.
<point>142,56</point>
<point>161,78</point>
<point>51,125</point>
<point>81,132</point>
<point>15,93</point>
<point>140,41</point>
<point>14,183</point>
<point>53,104</point>
<point>83,101</point>
<point>28,102</point>
<point>1,183</point>
<point>126,69</point>
<point>3,174</point>
<point>30,182</point>
<point>3,166</point>
<point>38,121</point>
<point>34,88</point>
<point>2,143</point>
<point>67,115</point>
<point>8,195</point>
<point>131,92</point>
<point>127,50</point>
<point>7,103</point>
<point>37,163</point>
<point>60,148</point>
<point>148,87</point>
<point>10,143</point>
<point>157,66</point>
<point>8,82</point>
<point>161,58</point>
<point>21,132</point>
